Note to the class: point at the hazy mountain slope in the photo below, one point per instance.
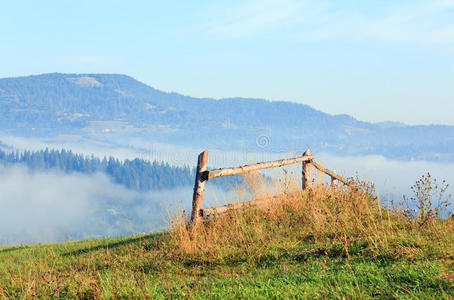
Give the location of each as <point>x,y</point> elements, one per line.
<point>110,106</point>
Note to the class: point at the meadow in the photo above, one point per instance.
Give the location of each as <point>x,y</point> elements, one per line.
<point>322,243</point>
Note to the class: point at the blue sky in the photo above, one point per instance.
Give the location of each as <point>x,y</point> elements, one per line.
<point>375,60</point>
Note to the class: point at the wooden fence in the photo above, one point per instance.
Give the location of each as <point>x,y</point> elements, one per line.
<point>203,175</point>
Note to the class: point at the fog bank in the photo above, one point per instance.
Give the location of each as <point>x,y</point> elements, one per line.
<point>52,206</point>
<point>392,178</point>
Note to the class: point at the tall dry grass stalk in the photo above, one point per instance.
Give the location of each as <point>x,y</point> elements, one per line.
<point>346,220</point>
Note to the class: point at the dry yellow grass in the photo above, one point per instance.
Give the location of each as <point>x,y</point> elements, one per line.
<point>342,217</point>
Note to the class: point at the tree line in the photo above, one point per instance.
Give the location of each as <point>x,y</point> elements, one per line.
<point>137,174</point>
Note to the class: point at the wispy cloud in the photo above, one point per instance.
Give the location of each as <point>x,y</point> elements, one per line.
<point>255,17</point>
<point>252,17</point>
<point>427,22</point>
<point>424,22</point>
<point>85,59</point>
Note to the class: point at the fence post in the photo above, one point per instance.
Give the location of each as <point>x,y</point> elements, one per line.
<point>333,181</point>
<point>199,187</point>
<point>306,180</point>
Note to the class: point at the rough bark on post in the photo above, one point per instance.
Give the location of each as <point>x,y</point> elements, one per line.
<point>306,180</point>
<point>199,187</point>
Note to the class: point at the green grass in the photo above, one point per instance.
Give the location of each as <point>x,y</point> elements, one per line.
<point>134,268</point>
<point>288,252</point>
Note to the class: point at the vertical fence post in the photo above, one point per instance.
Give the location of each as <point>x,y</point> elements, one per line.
<point>333,181</point>
<point>306,180</point>
<point>199,187</point>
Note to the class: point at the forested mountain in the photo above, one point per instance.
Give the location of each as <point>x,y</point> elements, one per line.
<point>115,107</point>
<point>136,174</point>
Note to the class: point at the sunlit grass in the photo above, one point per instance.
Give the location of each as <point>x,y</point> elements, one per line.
<point>322,243</point>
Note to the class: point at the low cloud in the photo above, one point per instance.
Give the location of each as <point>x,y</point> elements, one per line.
<point>39,207</point>
<point>51,206</point>
<point>47,207</point>
<point>392,178</point>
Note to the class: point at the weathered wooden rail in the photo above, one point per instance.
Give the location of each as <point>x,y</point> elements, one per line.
<point>203,175</point>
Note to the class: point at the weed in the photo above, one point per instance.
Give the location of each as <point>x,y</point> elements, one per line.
<point>429,199</point>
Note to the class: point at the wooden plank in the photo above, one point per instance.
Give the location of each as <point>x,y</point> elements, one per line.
<point>332,174</point>
<point>254,167</point>
<point>199,187</point>
<point>240,205</point>
<point>306,169</point>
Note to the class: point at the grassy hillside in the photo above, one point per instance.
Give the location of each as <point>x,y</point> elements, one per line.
<point>318,244</point>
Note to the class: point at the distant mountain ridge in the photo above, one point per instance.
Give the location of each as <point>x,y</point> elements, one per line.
<point>114,106</point>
